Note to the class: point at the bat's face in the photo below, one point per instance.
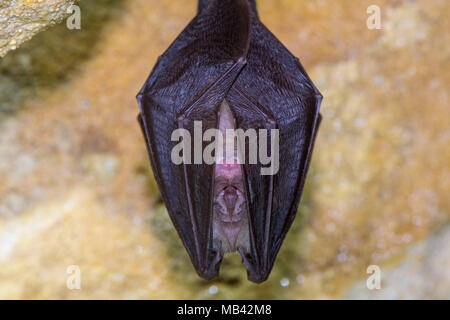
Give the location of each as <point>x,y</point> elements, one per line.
<point>230,228</point>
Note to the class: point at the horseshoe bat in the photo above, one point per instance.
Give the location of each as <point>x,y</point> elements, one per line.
<point>227,71</point>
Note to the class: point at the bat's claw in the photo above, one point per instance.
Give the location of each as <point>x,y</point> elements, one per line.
<point>254,273</point>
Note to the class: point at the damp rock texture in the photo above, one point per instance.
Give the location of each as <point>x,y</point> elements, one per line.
<point>20,20</point>
<point>77,191</point>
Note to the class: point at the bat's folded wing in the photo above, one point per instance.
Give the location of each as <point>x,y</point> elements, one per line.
<point>188,83</point>
<point>274,92</point>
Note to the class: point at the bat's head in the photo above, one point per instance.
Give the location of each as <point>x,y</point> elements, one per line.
<point>230,225</point>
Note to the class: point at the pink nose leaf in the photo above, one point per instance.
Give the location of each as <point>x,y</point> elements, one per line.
<point>230,199</point>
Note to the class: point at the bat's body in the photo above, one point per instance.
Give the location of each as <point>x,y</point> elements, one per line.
<point>230,224</point>
<point>229,72</point>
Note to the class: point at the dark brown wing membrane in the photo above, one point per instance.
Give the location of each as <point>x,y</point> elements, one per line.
<point>273,90</point>
<point>188,83</point>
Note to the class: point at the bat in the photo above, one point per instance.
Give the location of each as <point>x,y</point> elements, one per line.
<point>226,72</point>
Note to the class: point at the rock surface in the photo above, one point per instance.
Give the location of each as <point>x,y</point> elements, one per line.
<point>20,20</point>
<point>422,273</point>
<point>76,187</point>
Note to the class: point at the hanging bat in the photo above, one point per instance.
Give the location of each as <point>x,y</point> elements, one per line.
<point>227,71</point>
